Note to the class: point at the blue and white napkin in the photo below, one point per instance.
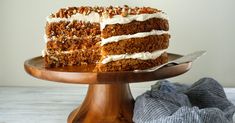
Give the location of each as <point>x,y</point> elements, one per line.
<point>203,102</point>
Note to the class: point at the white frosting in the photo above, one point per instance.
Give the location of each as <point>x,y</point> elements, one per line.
<point>103,20</point>
<point>44,52</point>
<point>123,20</point>
<point>68,52</point>
<point>92,17</point>
<point>141,56</point>
<point>45,38</point>
<point>136,35</point>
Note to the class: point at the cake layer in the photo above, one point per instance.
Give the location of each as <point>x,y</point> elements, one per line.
<point>66,44</point>
<point>131,64</point>
<point>135,45</point>
<point>136,35</point>
<point>135,27</point>
<point>71,58</point>
<point>70,29</point>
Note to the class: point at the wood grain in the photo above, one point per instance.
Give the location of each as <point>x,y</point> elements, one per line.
<point>105,103</point>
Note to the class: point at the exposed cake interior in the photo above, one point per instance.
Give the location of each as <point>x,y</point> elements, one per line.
<point>113,38</point>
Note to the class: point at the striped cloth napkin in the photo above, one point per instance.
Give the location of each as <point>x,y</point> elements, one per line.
<point>203,102</point>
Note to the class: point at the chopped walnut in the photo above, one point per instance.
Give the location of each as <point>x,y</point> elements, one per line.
<point>104,11</point>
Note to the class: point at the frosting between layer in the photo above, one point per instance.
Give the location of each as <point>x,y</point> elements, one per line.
<point>45,52</point>
<point>119,19</point>
<point>136,35</point>
<point>46,39</point>
<point>141,56</point>
<point>92,17</point>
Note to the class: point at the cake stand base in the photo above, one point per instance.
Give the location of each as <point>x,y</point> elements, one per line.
<point>105,103</point>
<point>109,98</point>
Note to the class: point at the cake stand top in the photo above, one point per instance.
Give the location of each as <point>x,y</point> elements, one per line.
<point>84,75</point>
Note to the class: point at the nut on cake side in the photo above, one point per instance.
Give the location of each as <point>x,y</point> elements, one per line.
<point>114,38</point>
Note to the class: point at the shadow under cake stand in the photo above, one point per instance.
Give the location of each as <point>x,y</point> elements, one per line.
<point>108,99</point>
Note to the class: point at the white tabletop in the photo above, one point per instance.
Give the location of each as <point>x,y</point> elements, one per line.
<point>49,104</point>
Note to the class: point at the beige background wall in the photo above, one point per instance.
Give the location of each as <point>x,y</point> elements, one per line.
<point>194,25</point>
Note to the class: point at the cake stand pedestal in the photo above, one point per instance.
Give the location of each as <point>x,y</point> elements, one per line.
<point>108,98</point>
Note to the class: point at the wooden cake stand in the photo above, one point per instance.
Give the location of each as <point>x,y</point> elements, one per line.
<point>109,98</point>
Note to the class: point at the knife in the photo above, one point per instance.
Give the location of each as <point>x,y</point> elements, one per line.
<point>184,59</point>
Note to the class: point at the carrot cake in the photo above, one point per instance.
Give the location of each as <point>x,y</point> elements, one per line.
<point>114,38</point>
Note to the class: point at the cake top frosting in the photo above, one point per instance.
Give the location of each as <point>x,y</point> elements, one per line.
<point>107,12</point>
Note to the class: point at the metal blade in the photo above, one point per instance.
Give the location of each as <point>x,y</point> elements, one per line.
<point>190,57</point>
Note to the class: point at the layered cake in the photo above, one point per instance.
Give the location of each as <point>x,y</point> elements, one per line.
<point>113,38</point>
